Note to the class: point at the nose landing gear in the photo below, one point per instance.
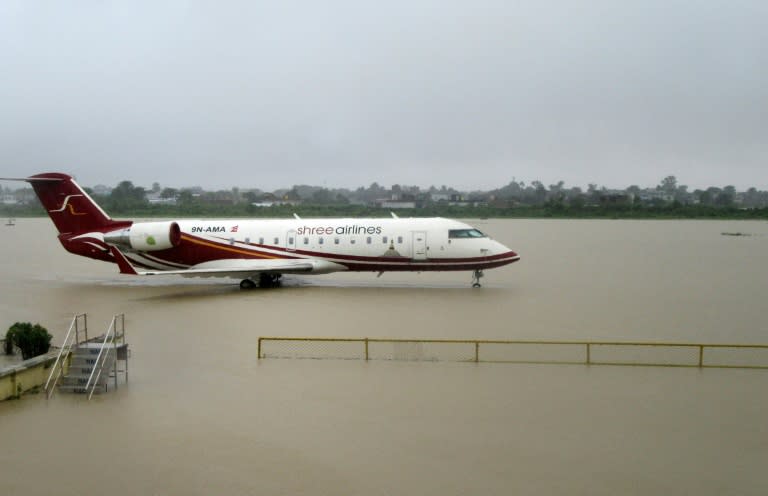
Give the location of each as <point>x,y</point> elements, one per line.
<point>476,276</point>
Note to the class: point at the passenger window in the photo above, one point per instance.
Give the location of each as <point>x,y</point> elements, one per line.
<point>321,241</point>
<point>335,241</point>
<point>368,240</point>
<point>352,241</point>
<point>290,240</point>
<point>261,241</point>
<point>399,240</point>
<point>384,240</point>
<point>247,241</point>
<point>306,241</point>
<point>277,241</point>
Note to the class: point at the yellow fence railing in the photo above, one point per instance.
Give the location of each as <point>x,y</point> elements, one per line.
<point>552,352</point>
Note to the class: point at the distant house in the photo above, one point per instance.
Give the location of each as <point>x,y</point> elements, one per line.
<point>23,196</point>
<point>156,199</point>
<point>101,190</point>
<point>651,195</point>
<point>271,200</point>
<point>399,200</point>
<point>616,199</point>
<point>385,203</point>
<point>439,197</point>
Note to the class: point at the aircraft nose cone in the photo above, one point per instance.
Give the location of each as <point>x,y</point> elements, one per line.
<point>504,253</point>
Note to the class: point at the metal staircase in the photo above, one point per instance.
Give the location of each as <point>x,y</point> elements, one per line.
<point>83,364</point>
<point>87,366</point>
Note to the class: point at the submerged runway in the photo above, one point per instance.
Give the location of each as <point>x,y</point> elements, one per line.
<point>201,414</point>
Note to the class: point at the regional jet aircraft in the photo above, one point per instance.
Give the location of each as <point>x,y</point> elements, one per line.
<point>259,252</point>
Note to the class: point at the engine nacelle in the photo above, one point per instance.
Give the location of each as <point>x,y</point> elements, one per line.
<point>146,236</point>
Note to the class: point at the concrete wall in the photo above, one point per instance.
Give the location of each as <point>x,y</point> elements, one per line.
<point>27,375</point>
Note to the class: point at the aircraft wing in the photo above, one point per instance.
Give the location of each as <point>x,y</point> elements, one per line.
<point>236,268</point>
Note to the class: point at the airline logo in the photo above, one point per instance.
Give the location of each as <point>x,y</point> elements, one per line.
<point>348,229</point>
<point>67,204</point>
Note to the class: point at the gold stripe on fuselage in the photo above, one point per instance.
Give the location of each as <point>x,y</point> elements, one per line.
<point>253,254</point>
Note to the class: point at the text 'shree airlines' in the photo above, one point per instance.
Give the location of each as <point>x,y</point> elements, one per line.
<point>260,251</point>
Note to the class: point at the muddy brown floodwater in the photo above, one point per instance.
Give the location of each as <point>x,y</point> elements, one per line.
<point>201,415</point>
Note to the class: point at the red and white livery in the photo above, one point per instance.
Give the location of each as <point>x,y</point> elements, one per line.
<point>260,251</point>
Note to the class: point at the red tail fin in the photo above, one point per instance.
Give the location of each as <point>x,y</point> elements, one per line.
<point>70,208</point>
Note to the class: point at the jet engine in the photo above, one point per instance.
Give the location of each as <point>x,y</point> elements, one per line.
<point>146,236</point>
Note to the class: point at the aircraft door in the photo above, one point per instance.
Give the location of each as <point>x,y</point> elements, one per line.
<point>419,245</point>
<point>290,240</point>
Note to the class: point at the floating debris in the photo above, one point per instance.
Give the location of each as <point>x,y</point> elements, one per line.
<point>735,234</point>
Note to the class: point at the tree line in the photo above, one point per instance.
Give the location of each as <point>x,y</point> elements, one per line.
<point>516,199</point>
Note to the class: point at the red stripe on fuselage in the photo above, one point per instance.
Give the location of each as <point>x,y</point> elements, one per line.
<point>423,267</point>
<point>359,258</point>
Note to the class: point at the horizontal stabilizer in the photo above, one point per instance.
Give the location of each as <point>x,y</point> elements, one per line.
<point>32,179</point>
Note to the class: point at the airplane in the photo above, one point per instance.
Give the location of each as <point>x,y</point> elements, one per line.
<point>259,252</point>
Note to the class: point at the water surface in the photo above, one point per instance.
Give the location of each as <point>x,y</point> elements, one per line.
<point>202,415</point>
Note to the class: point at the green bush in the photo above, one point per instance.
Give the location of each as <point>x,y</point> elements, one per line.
<point>33,340</point>
<point>8,343</point>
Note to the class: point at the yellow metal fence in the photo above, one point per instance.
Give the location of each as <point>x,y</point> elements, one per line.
<point>552,352</point>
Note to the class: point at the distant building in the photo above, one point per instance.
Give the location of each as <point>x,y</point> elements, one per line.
<point>275,203</point>
<point>156,199</point>
<point>270,200</point>
<point>396,203</point>
<point>439,197</point>
<point>101,190</point>
<point>651,195</point>
<point>24,196</point>
<point>616,199</point>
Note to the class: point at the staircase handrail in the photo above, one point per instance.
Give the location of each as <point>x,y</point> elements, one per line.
<point>99,364</point>
<point>66,347</point>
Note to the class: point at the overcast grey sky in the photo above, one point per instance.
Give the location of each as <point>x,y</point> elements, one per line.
<point>344,93</point>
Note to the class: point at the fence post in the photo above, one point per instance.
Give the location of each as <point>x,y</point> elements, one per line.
<point>259,350</point>
<point>366,349</point>
<point>477,351</point>
<point>589,358</point>
<point>701,355</point>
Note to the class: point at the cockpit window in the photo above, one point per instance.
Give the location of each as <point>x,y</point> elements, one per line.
<point>465,233</point>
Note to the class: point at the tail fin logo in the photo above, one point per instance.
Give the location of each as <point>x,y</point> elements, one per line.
<point>67,204</point>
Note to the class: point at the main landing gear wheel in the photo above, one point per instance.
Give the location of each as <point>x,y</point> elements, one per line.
<point>269,280</point>
<point>476,275</point>
<point>265,281</point>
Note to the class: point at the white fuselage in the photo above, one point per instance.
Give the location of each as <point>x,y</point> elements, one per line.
<point>355,244</point>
